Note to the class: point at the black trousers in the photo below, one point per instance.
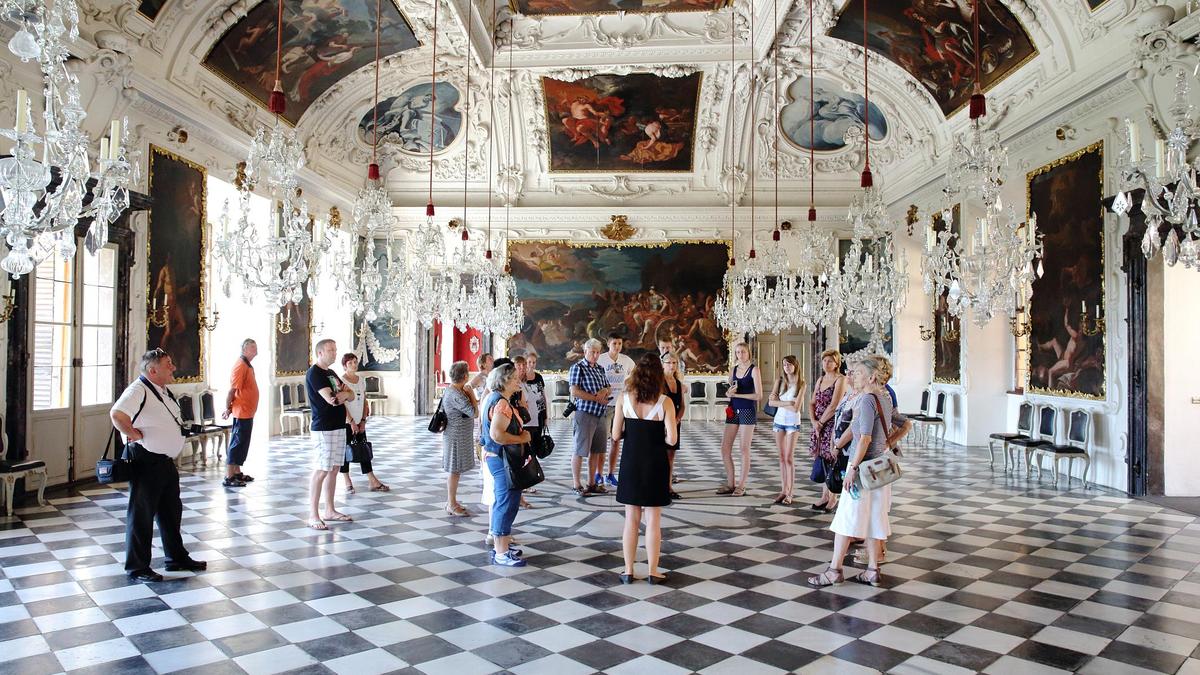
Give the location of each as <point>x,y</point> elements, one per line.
<point>153,495</point>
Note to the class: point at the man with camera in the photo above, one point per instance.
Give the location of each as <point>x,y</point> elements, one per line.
<point>147,414</point>
<point>589,395</point>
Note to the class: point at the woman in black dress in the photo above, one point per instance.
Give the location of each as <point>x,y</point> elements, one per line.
<point>673,388</point>
<point>645,419</point>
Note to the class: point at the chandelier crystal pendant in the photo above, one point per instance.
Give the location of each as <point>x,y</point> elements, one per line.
<point>44,199</point>
<point>991,276</point>
<point>1171,198</point>
<point>286,261</point>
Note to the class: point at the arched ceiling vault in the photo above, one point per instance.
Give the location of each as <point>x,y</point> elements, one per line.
<point>722,130</point>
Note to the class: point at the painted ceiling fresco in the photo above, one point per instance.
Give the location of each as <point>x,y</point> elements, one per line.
<point>570,7</point>
<point>932,40</point>
<point>323,41</point>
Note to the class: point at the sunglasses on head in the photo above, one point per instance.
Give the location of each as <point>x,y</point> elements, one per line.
<point>157,351</point>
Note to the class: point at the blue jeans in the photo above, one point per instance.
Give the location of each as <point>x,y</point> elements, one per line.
<point>239,441</point>
<point>508,499</point>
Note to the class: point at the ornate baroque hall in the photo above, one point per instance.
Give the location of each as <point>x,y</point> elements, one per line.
<point>599,336</point>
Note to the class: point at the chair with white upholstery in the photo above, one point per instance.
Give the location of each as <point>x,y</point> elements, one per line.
<point>289,410</point>
<point>698,398</point>
<point>561,396</point>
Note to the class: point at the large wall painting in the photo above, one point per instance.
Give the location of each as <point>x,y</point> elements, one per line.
<point>294,350</point>
<point>836,111</point>
<point>1066,355</point>
<point>646,292</point>
<point>175,245</point>
<point>323,41</point>
<point>572,7</point>
<point>637,122</point>
<point>947,352</point>
<point>853,337</point>
<point>932,41</point>
<point>384,328</point>
<point>408,121</point>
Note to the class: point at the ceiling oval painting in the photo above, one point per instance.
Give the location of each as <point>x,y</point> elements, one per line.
<point>932,40</point>
<point>577,7</point>
<point>409,122</point>
<point>822,127</point>
<point>323,41</point>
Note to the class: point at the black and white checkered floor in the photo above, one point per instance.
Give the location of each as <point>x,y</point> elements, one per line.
<point>985,573</point>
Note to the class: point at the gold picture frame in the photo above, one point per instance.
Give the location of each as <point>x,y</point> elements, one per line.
<point>171,276</point>
<point>1100,353</point>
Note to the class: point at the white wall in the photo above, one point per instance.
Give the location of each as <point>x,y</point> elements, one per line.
<point>1181,334</point>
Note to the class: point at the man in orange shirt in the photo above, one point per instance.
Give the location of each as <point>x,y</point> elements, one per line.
<point>242,403</point>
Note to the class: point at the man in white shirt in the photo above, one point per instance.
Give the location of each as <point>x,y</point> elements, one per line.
<point>617,367</point>
<point>148,416</point>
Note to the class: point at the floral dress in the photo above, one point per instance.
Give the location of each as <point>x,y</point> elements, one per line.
<point>821,444</point>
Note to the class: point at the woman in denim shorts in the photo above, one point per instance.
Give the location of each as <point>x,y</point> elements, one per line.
<point>788,398</point>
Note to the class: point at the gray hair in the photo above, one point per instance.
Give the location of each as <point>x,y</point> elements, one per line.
<point>593,344</point>
<point>321,345</point>
<point>152,358</point>
<point>500,376</point>
<point>459,371</point>
<point>877,366</point>
<point>247,342</point>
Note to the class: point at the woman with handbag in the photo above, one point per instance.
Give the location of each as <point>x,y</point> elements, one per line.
<point>645,419</point>
<point>787,398</point>
<point>863,513</point>
<point>357,411</point>
<point>458,447</point>
<point>827,394</point>
<point>740,418</point>
<point>503,437</point>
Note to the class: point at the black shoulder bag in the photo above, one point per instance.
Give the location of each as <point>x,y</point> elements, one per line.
<point>524,469</point>
<point>117,469</point>
<point>439,421</point>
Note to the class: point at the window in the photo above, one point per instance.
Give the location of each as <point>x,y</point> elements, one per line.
<point>97,334</point>
<point>52,333</point>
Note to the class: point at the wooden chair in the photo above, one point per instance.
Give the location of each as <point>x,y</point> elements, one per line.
<point>1047,417</point>
<point>722,398</point>
<point>561,397</point>
<point>1024,432</point>
<point>288,410</point>
<point>698,398</point>
<point>375,395</point>
<point>217,434</point>
<point>193,433</point>
<point>11,472</point>
<point>1079,427</point>
<point>938,418</point>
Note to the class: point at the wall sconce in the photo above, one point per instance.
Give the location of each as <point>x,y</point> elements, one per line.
<point>1097,326</point>
<point>10,304</point>
<point>283,322</point>
<point>926,333</point>
<point>159,318</point>
<point>1019,327</point>
<point>208,325</point>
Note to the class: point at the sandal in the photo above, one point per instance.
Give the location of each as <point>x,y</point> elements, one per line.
<point>725,490</point>
<point>829,577</point>
<point>340,518</point>
<point>380,488</point>
<point>739,492</point>
<point>457,510</point>
<point>318,525</point>
<point>778,500</point>
<point>870,577</point>
<point>786,501</point>
<point>350,488</point>
<point>674,495</point>
<point>525,504</point>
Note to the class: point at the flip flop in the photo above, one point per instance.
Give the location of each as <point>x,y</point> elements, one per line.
<point>725,490</point>
<point>318,525</point>
<point>340,518</point>
<point>382,487</point>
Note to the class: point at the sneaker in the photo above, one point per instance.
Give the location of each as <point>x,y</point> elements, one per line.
<point>507,560</point>
<point>612,480</point>
<point>514,551</point>
<point>233,482</point>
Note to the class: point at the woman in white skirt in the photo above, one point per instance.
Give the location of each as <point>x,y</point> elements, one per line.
<point>863,514</point>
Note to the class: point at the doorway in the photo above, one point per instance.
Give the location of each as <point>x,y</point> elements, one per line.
<point>72,333</point>
<point>772,347</point>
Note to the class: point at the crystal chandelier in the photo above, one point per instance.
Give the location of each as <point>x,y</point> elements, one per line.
<point>1171,197</point>
<point>43,200</point>
<point>991,276</point>
<point>742,306</point>
<point>282,264</point>
<point>873,282</point>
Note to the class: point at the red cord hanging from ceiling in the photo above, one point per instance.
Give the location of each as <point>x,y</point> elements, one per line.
<point>432,108</point>
<point>750,109</point>
<point>732,133</point>
<point>775,114</point>
<point>812,120</point>
<point>373,168</point>
<point>491,141</point>
<point>867,179</point>
<point>278,102</point>
<point>467,115</point>
<point>978,100</point>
